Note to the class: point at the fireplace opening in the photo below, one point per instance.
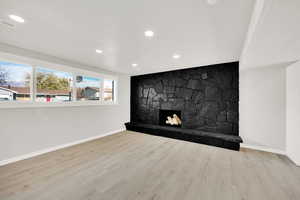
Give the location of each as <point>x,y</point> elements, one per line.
<point>170,118</point>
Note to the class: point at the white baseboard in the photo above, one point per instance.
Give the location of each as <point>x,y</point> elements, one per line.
<point>36,153</point>
<point>263,148</point>
<point>293,160</point>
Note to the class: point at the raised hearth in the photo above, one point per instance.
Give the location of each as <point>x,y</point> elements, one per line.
<point>203,137</point>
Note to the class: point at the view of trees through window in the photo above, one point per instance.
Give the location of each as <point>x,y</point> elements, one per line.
<point>49,85</point>
<point>14,81</point>
<point>53,86</point>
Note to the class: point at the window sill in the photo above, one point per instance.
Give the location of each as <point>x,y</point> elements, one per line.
<point>4,105</point>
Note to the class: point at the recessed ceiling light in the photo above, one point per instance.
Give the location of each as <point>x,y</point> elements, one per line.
<point>99,51</point>
<point>134,65</point>
<point>211,2</point>
<point>149,33</point>
<point>17,18</point>
<point>176,56</point>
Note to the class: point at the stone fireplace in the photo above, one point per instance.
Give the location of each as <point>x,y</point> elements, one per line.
<point>193,102</point>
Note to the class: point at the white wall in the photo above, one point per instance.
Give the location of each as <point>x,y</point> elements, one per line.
<point>27,130</point>
<point>263,107</point>
<point>293,112</point>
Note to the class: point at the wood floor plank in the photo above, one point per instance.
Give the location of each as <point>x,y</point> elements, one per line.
<point>135,166</point>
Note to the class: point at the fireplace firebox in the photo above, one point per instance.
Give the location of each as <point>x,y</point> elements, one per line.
<point>170,118</point>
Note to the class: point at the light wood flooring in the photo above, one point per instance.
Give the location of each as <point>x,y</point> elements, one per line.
<point>134,166</point>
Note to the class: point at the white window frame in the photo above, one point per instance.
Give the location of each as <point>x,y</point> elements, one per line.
<point>114,89</point>
<point>35,63</point>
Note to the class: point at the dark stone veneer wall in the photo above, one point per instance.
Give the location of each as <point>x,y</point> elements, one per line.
<point>207,97</point>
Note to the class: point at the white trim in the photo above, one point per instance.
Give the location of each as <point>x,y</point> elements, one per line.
<point>32,85</point>
<point>102,90</point>
<point>293,160</point>
<point>74,89</point>
<point>19,104</point>
<point>40,152</point>
<point>263,148</point>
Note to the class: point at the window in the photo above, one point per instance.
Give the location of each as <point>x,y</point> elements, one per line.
<point>87,88</point>
<point>15,80</point>
<point>108,90</point>
<point>53,86</point>
<point>42,85</point>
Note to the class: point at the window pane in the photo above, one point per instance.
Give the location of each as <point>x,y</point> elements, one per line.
<point>53,86</point>
<point>14,81</point>
<point>87,88</point>
<point>108,90</point>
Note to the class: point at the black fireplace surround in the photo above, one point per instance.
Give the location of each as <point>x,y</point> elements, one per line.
<point>205,98</point>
